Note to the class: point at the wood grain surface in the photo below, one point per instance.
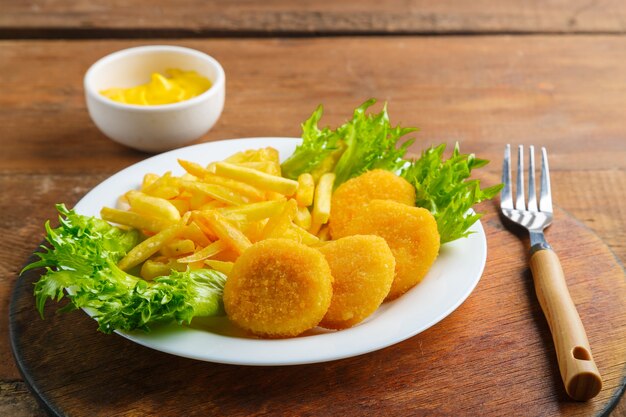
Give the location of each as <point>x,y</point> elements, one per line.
<point>566,93</point>
<point>133,18</point>
<point>493,356</point>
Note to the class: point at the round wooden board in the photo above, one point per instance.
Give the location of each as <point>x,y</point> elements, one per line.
<point>492,356</point>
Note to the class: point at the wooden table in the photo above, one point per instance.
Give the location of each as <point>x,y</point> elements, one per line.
<point>474,72</point>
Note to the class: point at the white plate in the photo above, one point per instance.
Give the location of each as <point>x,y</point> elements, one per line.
<point>450,281</point>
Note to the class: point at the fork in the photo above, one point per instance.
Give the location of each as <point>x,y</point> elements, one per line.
<point>578,370</point>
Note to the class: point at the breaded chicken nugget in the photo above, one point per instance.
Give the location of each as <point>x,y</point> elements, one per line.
<point>410,232</point>
<point>350,197</point>
<point>278,288</point>
<point>363,270</point>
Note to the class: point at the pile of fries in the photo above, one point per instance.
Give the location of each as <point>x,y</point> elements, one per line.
<point>211,214</point>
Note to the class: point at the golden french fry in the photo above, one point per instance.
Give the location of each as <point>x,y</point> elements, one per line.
<point>328,164</point>
<point>214,204</point>
<point>182,206</point>
<point>239,157</point>
<point>206,252</point>
<point>198,219</point>
<point>188,177</point>
<point>254,211</point>
<point>194,232</point>
<point>303,218</point>
<point>166,187</point>
<point>198,200</point>
<point>152,206</point>
<point>306,190</point>
<point>252,155</point>
<point>148,179</point>
<point>247,190</point>
<point>152,269</point>
<point>300,235</point>
<point>269,154</point>
<point>225,231</point>
<point>257,178</point>
<point>193,168</point>
<point>278,225</point>
<point>150,246</point>
<point>221,266</point>
<point>214,191</point>
<point>132,219</point>
<point>178,247</point>
<point>321,202</point>
<point>269,167</point>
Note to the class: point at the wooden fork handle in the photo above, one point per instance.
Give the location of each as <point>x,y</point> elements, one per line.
<point>579,371</point>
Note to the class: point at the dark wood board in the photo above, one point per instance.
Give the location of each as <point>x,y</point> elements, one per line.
<point>493,356</point>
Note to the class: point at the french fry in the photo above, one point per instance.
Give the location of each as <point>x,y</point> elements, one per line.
<point>253,230</point>
<point>214,204</point>
<point>300,235</point>
<point>254,211</point>
<point>152,206</point>
<point>303,218</point>
<point>226,231</point>
<point>249,191</point>
<point>166,187</point>
<point>306,190</point>
<point>269,167</point>
<point>252,155</point>
<point>215,191</point>
<point>278,225</point>
<point>239,157</point>
<point>132,219</point>
<point>269,154</point>
<point>150,246</point>
<point>198,200</point>
<point>194,232</point>
<point>221,266</point>
<point>178,247</point>
<point>152,269</point>
<point>148,179</point>
<point>182,206</point>
<point>321,202</point>
<point>193,168</point>
<point>199,220</point>
<point>256,178</point>
<point>206,252</point>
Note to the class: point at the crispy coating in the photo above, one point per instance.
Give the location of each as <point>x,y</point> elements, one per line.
<point>278,288</point>
<point>363,270</point>
<point>350,197</point>
<point>410,232</point>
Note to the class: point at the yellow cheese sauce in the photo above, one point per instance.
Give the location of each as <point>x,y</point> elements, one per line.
<point>177,86</point>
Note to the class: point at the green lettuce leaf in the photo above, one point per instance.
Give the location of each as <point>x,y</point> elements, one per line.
<point>442,186</point>
<point>82,258</point>
<point>366,142</point>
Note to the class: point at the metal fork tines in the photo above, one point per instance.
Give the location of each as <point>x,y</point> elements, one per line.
<point>535,218</point>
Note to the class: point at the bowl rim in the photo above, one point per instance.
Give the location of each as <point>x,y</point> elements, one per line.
<point>217,84</point>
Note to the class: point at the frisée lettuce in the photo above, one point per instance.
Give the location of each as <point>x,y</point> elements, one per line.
<point>368,141</point>
<point>82,258</point>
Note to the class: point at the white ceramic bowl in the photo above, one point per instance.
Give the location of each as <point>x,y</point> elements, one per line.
<point>161,127</point>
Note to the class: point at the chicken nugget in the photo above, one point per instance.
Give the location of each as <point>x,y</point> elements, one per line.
<point>350,197</point>
<point>410,232</point>
<point>278,288</point>
<point>363,270</point>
